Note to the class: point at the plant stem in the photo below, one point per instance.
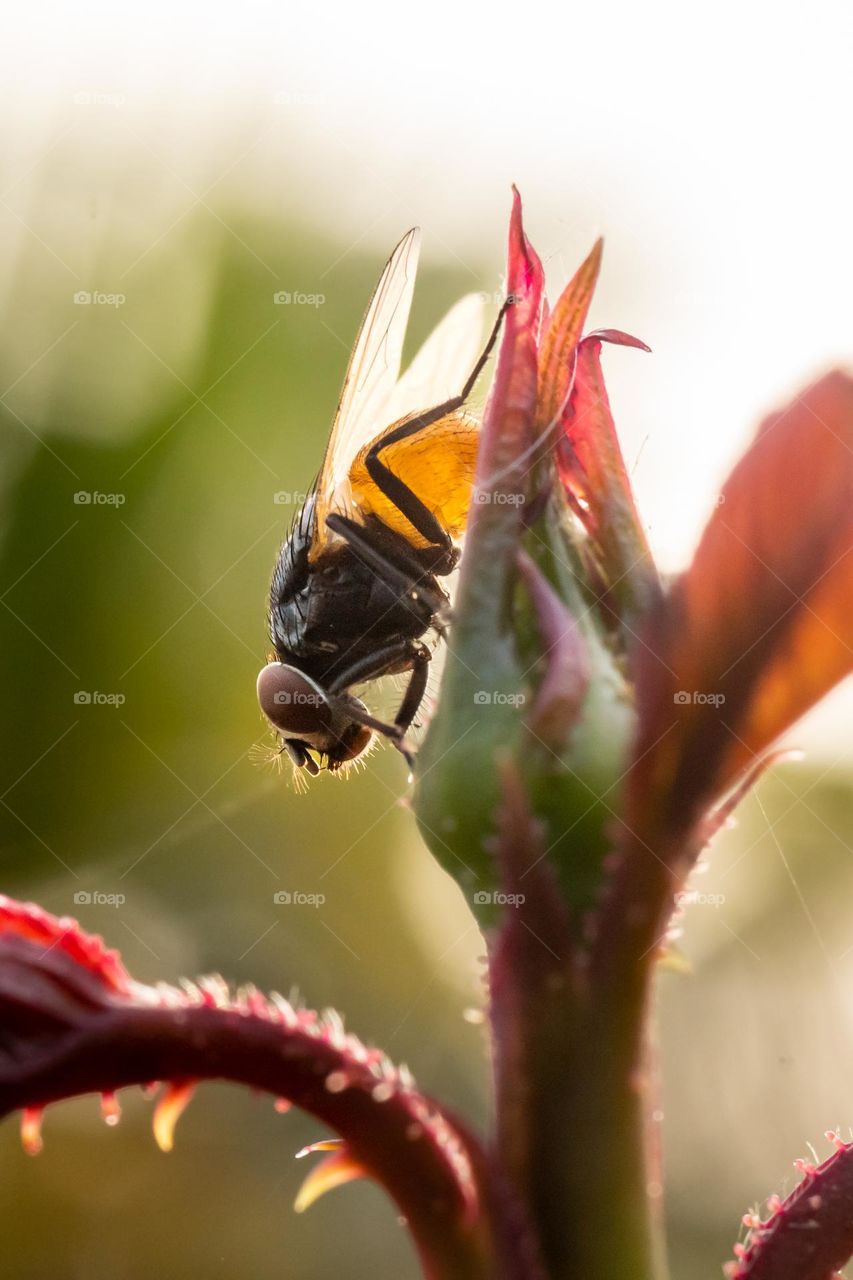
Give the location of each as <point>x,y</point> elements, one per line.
<point>575,1085</point>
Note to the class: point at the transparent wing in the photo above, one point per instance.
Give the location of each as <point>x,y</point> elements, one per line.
<point>371,376</point>
<point>444,361</point>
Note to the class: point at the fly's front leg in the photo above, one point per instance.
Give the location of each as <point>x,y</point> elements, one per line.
<point>377,665</point>
<point>415,690</point>
<point>373,666</point>
<point>412,699</point>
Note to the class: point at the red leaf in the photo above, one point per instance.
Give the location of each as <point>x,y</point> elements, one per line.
<point>506,437</point>
<point>593,472</point>
<point>619,338</point>
<point>760,626</point>
<point>507,422</point>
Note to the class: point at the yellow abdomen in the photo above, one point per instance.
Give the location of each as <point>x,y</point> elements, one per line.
<point>437,464</point>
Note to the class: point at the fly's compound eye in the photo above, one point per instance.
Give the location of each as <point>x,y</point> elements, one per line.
<point>295,705</point>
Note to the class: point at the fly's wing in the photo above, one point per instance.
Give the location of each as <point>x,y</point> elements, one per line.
<point>437,462</point>
<point>370,379</point>
<point>443,363</point>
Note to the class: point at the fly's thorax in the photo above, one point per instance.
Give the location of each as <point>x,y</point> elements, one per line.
<point>340,609</point>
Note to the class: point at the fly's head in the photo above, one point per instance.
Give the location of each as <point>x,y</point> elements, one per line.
<point>308,722</point>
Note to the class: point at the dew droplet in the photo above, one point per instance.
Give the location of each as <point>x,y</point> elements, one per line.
<point>110,1108</point>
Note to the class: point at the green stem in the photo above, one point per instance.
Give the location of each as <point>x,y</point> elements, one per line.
<point>575,1088</point>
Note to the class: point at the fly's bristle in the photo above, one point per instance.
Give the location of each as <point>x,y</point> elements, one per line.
<point>268,755</point>
<point>299,781</point>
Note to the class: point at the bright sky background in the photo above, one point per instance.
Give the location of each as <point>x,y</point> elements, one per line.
<point>710,147</point>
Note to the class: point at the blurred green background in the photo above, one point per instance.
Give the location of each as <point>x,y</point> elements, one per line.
<point>194,404</point>
<point>153,595</point>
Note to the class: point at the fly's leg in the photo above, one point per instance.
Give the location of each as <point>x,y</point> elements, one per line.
<point>405,579</point>
<point>300,757</point>
<point>377,665</point>
<point>415,690</point>
<point>404,499</point>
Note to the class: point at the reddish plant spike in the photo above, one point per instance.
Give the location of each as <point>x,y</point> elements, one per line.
<point>808,1235</point>
<point>31,1139</point>
<point>174,1101</point>
<point>75,1022</point>
<point>110,1108</point>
